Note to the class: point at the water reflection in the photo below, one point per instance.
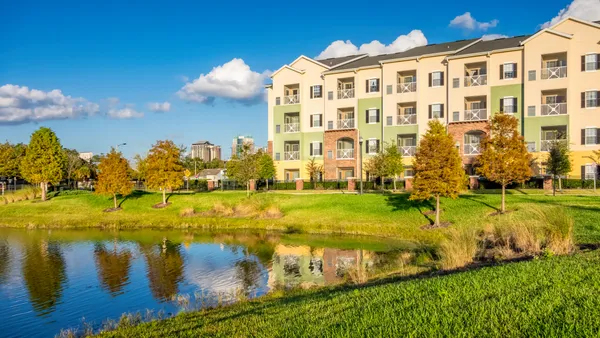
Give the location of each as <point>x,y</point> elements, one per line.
<point>44,272</point>
<point>165,268</point>
<point>113,267</point>
<point>4,261</point>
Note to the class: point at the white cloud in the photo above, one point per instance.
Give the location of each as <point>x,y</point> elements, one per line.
<point>340,48</point>
<point>158,107</point>
<point>21,105</point>
<point>233,81</point>
<point>468,22</point>
<point>124,113</point>
<point>582,9</point>
<point>487,37</point>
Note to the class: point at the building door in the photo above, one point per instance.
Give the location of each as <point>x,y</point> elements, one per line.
<point>345,173</point>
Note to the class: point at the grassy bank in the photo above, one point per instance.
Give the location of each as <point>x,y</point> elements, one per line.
<point>550,297</point>
<point>370,214</point>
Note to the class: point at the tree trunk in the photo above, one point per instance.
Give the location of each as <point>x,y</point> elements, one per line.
<point>503,207</point>
<point>248,189</point>
<point>43,187</point>
<point>164,196</point>
<point>559,183</point>
<point>554,186</point>
<point>437,210</point>
<point>115,200</point>
<point>267,184</point>
<point>394,183</point>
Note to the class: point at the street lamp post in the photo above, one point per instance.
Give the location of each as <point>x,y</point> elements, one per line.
<point>360,143</point>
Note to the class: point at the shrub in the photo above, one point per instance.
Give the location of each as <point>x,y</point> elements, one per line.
<point>459,248</point>
<point>185,212</point>
<point>25,194</point>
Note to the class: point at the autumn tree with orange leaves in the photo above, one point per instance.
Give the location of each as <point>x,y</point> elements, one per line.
<point>114,176</point>
<point>164,168</point>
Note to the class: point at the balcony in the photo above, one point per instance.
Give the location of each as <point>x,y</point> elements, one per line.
<point>407,151</point>
<point>293,127</point>
<point>291,99</point>
<point>291,156</point>
<point>554,109</point>
<point>345,154</point>
<point>345,93</point>
<point>472,149</point>
<point>554,72</point>
<point>406,119</point>
<point>546,145</point>
<point>407,87</point>
<point>476,80</point>
<point>476,115</point>
<point>345,124</point>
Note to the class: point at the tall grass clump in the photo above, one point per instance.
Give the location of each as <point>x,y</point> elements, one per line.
<point>253,207</point>
<point>459,248</point>
<point>25,194</point>
<point>558,230</point>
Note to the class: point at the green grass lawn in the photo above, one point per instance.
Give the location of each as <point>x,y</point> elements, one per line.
<point>369,214</point>
<point>552,297</point>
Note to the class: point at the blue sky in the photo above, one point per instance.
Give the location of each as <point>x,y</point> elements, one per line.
<point>120,57</point>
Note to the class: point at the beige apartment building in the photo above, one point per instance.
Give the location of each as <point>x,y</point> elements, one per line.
<point>550,81</point>
<point>206,151</point>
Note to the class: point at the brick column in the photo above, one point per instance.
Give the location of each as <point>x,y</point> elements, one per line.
<point>252,185</point>
<point>408,184</point>
<point>351,184</point>
<point>211,185</point>
<point>547,182</point>
<point>473,182</point>
<point>299,184</point>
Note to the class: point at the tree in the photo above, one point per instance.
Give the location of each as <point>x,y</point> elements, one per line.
<point>165,268</point>
<point>266,167</point>
<point>375,166</point>
<point>559,161</point>
<point>113,267</point>
<point>393,163</point>
<point>314,169</point>
<point>83,173</point>
<point>164,167</point>
<point>11,156</point>
<point>243,169</point>
<point>438,167</point>
<point>114,178</point>
<point>504,158</point>
<point>44,160</point>
<point>73,163</point>
<point>44,273</point>
<point>141,167</point>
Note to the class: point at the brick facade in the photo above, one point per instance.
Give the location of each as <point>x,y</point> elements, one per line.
<point>299,184</point>
<point>270,148</point>
<point>458,131</point>
<point>330,165</point>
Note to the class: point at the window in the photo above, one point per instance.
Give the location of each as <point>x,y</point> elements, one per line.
<point>508,105</point>
<point>455,116</point>
<point>372,116</point>
<point>316,120</point>
<point>531,147</point>
<point>278,101</point>
<point>455,83</point>
<point>531,111</point>
<point>409,172</point>
<point>590,99</point>
<point>508,71</point>
<point>389,120</point>
<point>329,125</point>
<point>588,172</point>
<point>436,111</point>
<point>278,129</point>
<point>389,89</point>
<point>372,146</point>
<point>436,79</point>
<point>372,85</point>
<point>277,156</point>
<point>330,95</point>
<point>590,62</point>
<point>330,154</point>
<point>590,136</point>
<point>532,75</point>
<point>316,149</point>
<point>315,92</point>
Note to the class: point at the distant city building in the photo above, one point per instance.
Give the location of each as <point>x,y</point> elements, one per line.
<point>86,156</point>
<point>239,142</point>
<point>206,151</point>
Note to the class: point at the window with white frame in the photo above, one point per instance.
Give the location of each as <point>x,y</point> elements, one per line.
<point>591,135</point>
<point>591,99</point>
<point>372,113</point>
<point>316,92</point>
<point>372,146</point>
<point>509,71</point>
<point>315,149</point>
<point>509,105</point>
<point>589,171</point>
<point>409,172</point>
<point>436,111</point>
<point>316,120</point>
<point>436,79</point>
<point>592,62</point>
<point>372,85</point>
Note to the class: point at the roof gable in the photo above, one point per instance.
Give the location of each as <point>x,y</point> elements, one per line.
<point>287,67</point>
<point>547,30</point>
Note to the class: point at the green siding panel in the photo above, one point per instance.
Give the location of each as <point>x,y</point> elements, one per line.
<point>391,133</point>
<point>307,138</point>
<point>278,139</point>
<point>533,127</point>
<point>498,92</point>
<point>369,130</point>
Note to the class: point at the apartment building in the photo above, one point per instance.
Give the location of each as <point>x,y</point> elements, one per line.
<point>550,81</point>
<point>206,151</point>
<point>239,142</point>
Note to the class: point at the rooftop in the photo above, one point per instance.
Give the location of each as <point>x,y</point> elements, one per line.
<point>332,62</point>
<point>202,142</point>
<point>491,45</point>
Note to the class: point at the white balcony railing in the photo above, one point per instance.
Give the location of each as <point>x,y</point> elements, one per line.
<point>407,87</point>
<point>476,80</point>
<point>407,119</point>
<point>476,115</point>
<point>546,145</point>
<point>343,154</point>
<point>291,127</point>
<point>291,156</point>
<point>554,109</point>
<point>291,99</point>
<point>345,93</point>
<point>472,149</point>
<point>407,151</point>
<point>554,72</point>
<point>345,124</point>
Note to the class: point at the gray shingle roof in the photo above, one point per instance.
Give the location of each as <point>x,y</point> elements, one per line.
<point>205,172</point>
<point>490,45</point>
<point>598,22</point>
<point>332,62</point>
<point>202,142</point>
<point>413,52</point>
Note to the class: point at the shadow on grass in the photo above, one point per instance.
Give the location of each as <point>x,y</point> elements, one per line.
<point>402,203</point>
<point>136,194</point>
<point>478,199</point>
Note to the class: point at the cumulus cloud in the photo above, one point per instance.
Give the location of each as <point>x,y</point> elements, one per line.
<point>19,104</point>
<point>341,48</point>
<point>582,9</point>
<point>124,113</point>
<point>158,107</point>
<point>233,81</point>
<point>468,22</point>
<point>488,37</point>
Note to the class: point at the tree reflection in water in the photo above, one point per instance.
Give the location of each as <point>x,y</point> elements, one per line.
<point>4,261</point>
<point>165,268</point>
<point>113,268</point>
<point>247,271</point>
<point>44,272</point>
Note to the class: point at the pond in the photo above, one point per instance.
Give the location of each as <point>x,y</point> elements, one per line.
<point>56,279</point>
